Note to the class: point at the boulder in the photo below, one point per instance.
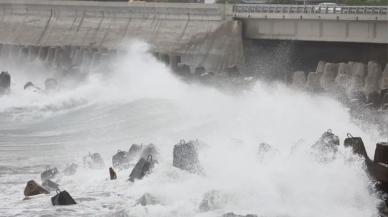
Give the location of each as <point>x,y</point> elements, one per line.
<point>50,84</point>
<point>32,188</point>
<point>5,82</point>
<point>213,200</point>
<point>142,168</point>
<point>70,169</point>
<point>185,157</point>
<point>112,174</point>
<point>93,161</point>
<point>330,72</point>
<point>231,214</point>
<point>299,79</point>
<point>50,185</point>
<point>62,198</point>
<point>49,173</point>
<point>147,199</point>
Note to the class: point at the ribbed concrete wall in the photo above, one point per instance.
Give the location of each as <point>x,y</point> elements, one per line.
<point>196,32</point>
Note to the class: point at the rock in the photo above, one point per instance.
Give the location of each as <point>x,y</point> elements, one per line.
<point>50,185</point>
<point>49,174</point>
<point>330,72</point>
<point>231,214</point>
<point>50,84</point>
<point>70,169</point>
<point>185,157</point>
<point>5,82</point>
<point>94,161</point>
<point>112,174</point>
<point>299,79</point>
<point>147,199</point>
<point>32,188</point>
<point>142,168</point>
<point>213,200</point>
<point>381,153</point>
<point>62,198</point>
<point>121,159</point>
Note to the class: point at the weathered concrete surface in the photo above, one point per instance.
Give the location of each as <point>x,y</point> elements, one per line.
<point>196,32</point>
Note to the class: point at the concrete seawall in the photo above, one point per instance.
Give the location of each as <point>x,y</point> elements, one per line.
<point>198,34</point>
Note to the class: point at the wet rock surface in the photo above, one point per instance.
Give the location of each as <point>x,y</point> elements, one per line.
<point>62,198</point>
<point>32,188</point>
<point>112,174</point>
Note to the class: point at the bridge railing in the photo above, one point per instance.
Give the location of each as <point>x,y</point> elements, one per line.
<point>309,9</point>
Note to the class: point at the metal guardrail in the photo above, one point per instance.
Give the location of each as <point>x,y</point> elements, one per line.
<point>310,9</point>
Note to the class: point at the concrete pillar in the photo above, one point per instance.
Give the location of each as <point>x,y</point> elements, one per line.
<point>77,57</point>
<point>343,78</point>
<point>373,77</point>
<point>51,55</point>
<point>358,71</point>
<point>384,78</point>
<point>299,79</point>
<point>164,58</point>
<point>42,53</point>
<point>313,78</point>
<point>175,60</point>
<point>381,153</point>
<point>32,52</point>
<point>328,77</point>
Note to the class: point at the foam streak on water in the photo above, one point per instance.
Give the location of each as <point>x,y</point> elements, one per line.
<point>141,102</point>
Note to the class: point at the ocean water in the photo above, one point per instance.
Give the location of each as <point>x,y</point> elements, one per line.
<point>140,101</point>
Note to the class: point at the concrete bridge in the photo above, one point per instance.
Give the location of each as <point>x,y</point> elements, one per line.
<point>313,23</point>
<point>198,35</point>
